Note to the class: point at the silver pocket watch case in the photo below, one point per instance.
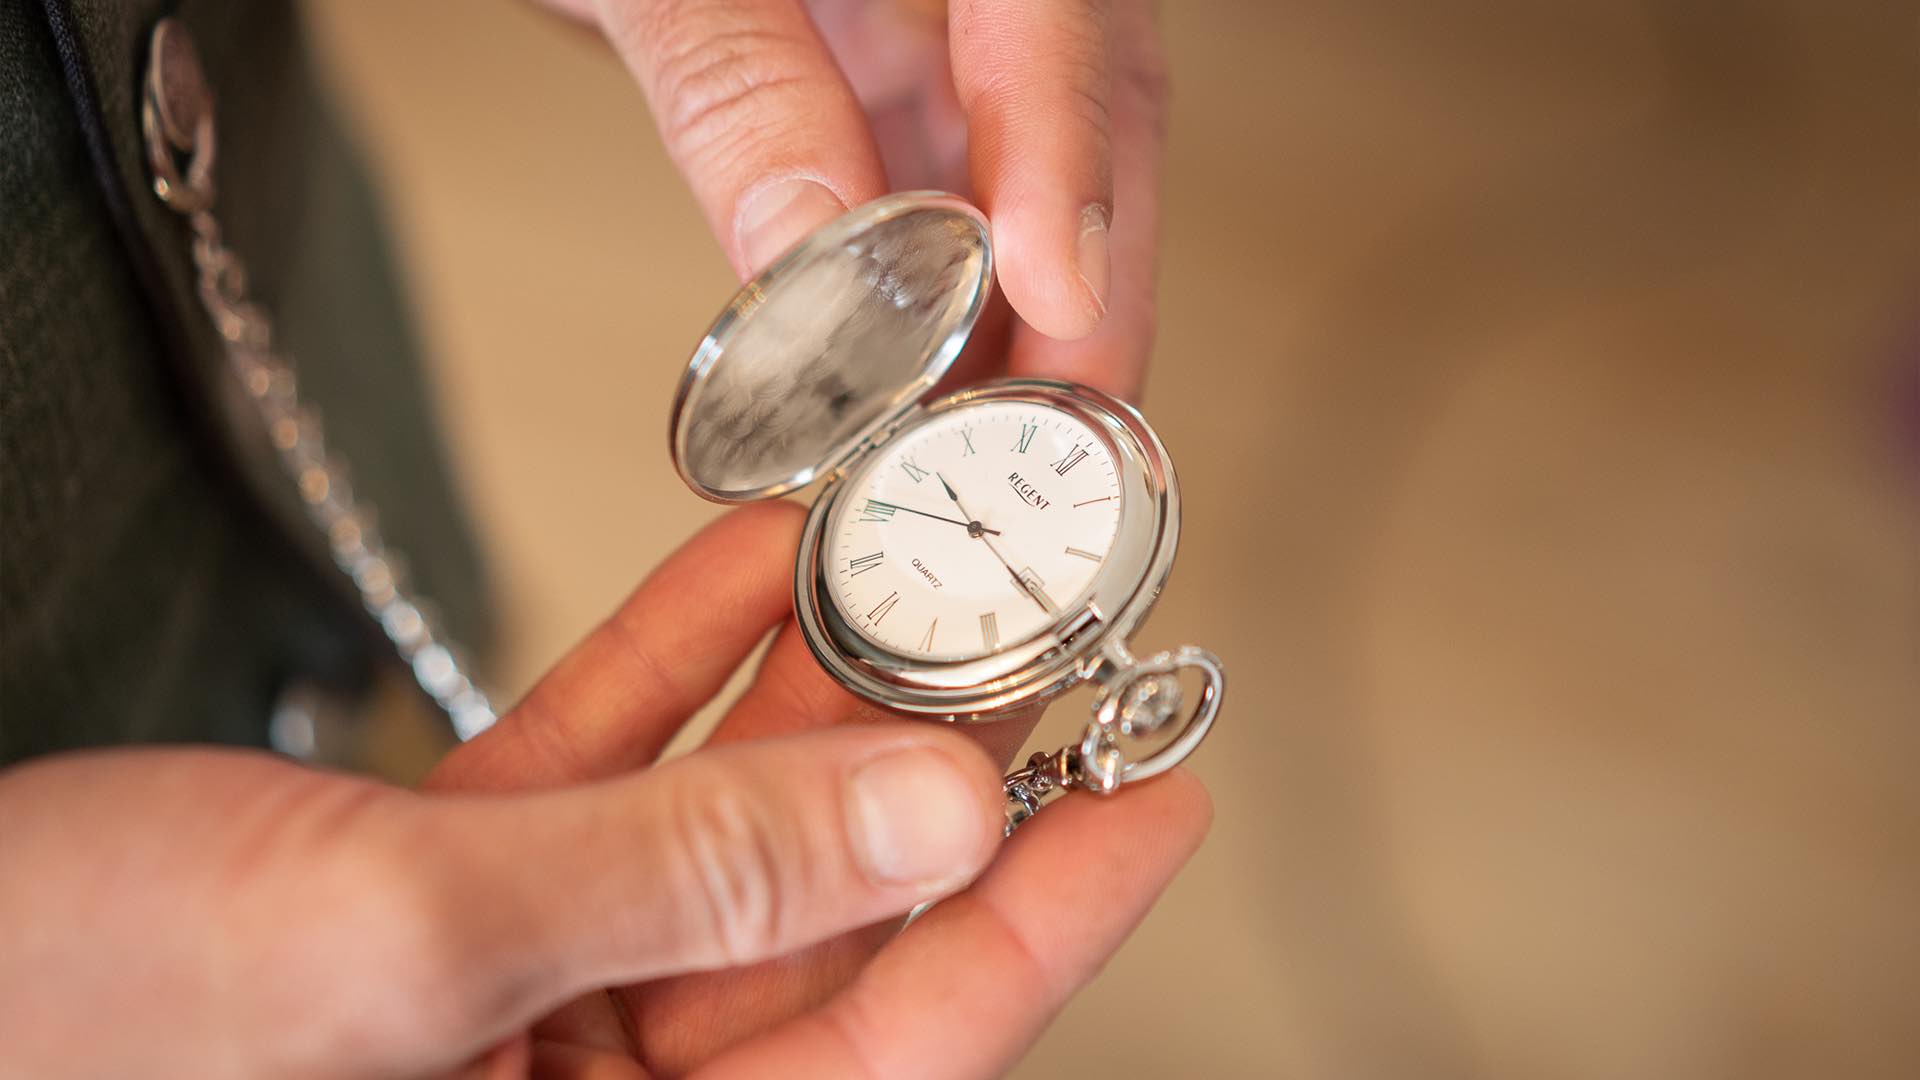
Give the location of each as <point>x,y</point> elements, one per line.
<point>828,355</point>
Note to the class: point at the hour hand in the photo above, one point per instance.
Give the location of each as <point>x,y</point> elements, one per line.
<point>955,496</point>
<point>974,528</point>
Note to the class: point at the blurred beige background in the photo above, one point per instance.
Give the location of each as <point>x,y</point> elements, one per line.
<point>1543,383</point>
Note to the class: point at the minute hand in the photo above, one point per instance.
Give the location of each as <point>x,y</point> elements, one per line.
<point>963,524</point>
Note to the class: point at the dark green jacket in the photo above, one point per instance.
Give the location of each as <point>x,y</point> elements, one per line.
<point>158,580</point>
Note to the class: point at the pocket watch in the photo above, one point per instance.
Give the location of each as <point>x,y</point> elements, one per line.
<point>968,555</point>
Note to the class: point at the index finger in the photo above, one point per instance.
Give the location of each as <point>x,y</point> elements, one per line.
<point>612,703</point>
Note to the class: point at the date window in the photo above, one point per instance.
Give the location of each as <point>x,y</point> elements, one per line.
<point>1035,587</point>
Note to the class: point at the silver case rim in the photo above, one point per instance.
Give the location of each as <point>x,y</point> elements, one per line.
<point>1059,656</point>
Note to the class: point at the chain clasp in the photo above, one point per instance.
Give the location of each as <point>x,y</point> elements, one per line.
<point>176,119</point>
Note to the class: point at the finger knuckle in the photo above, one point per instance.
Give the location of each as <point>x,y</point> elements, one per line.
<point>549,740</point>
<point>1146,78</point>
<point>1069,84</point>
<point>1089,104</point>
<point>729,844</point>
<point>1142,62</point>
<point>666,681</point>
<point>717,86</point>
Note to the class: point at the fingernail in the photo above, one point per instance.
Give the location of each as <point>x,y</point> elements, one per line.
<point>1091,252</point>
<point>773,218</point>
<point>914,817</point>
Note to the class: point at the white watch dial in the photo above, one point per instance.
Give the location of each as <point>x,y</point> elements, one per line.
<point>972,531</point>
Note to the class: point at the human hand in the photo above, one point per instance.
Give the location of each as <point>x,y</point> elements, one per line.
<point>781,115</point>
<point>207,913</point>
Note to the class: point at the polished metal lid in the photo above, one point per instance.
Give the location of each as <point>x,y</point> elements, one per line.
<point>830,344</point>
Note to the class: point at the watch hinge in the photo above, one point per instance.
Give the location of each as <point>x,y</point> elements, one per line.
<point>1088,619</point>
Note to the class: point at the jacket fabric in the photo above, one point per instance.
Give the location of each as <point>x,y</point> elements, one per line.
<point>159,580</point>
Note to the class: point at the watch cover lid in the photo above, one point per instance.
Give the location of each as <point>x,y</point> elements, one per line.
<point>829,344</point>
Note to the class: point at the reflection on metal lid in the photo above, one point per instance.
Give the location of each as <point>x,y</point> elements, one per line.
<point>829,344</point>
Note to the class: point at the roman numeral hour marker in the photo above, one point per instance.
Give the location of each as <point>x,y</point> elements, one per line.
<point>1074,457</point>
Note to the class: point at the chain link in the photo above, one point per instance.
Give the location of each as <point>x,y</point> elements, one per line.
<point>177,121</point>
<point>1029,788</point>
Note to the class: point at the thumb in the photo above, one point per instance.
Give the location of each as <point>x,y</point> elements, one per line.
<point>317,924</point>
<point>724,858</point>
